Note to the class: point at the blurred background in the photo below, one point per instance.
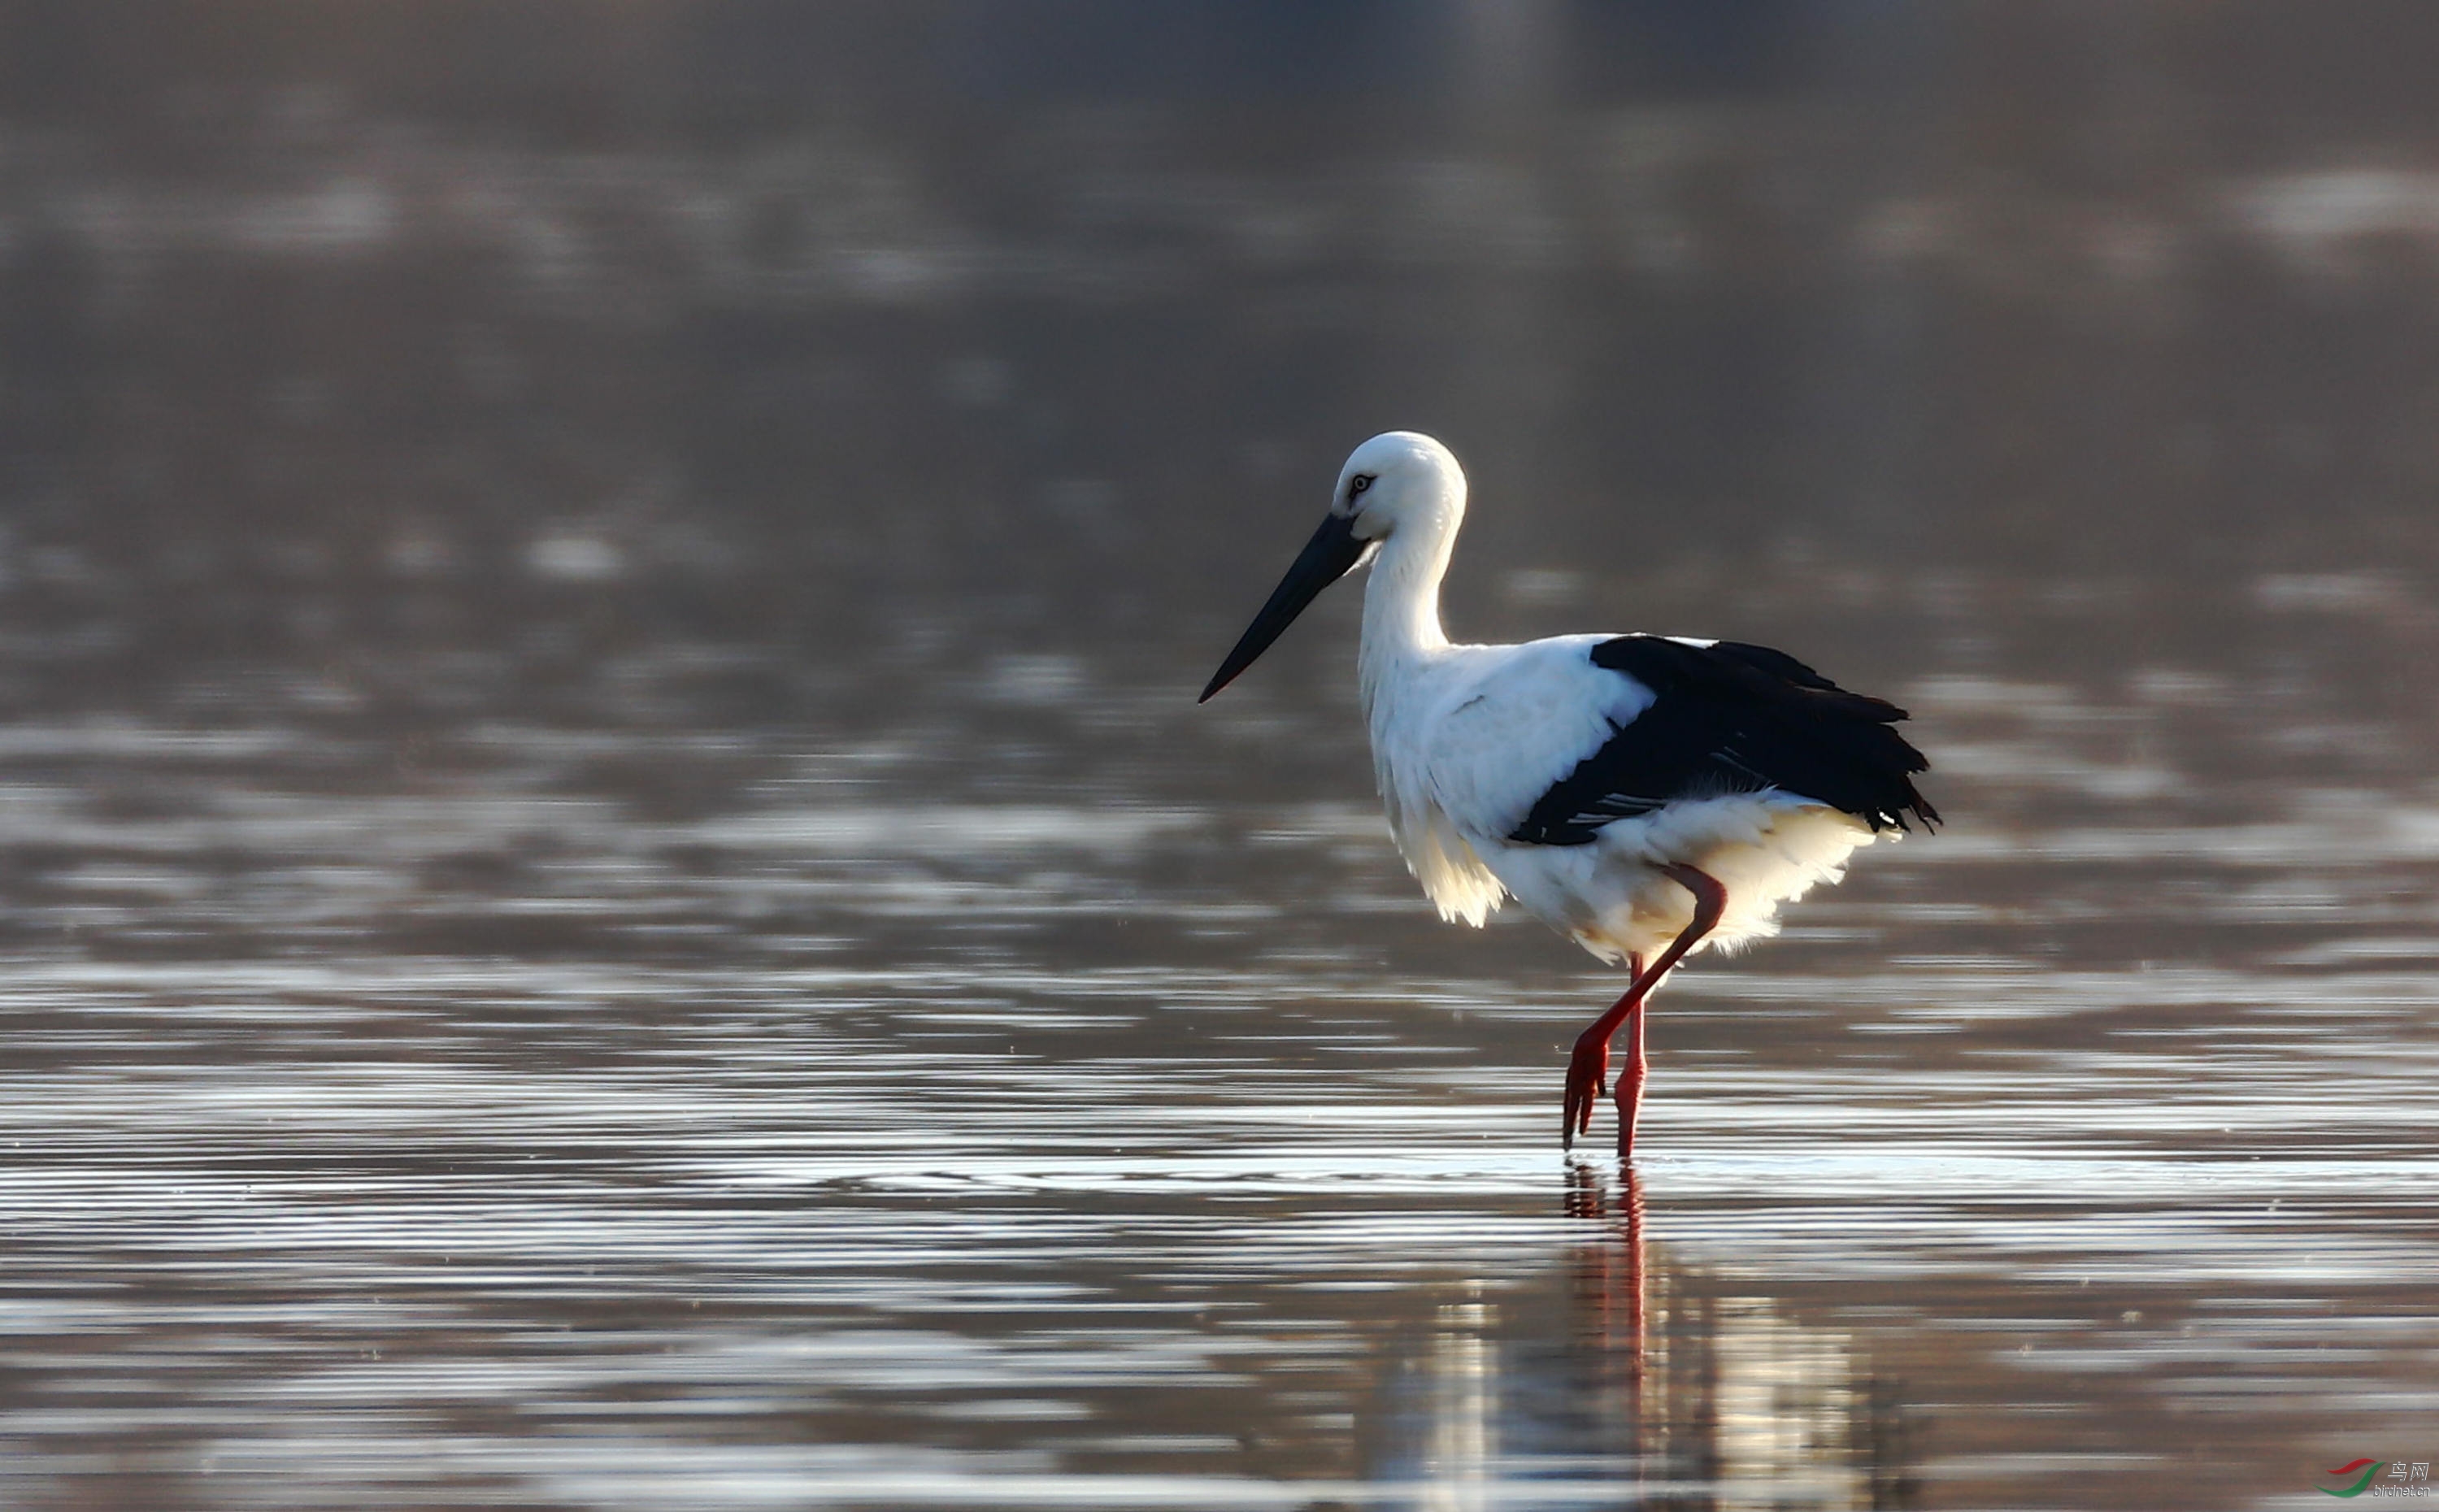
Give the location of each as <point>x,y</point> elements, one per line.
<point>612,893</point>
<point>435,349</point>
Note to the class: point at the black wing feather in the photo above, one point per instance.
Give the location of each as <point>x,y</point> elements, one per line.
<point>1732,717</point>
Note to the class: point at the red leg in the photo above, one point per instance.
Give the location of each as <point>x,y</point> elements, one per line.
<point>1629,1081</point>
<point>1710,902</point>
<point>1588,1068</point>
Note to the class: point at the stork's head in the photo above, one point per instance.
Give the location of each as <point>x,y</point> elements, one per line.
<point>1401,479</point>
<point>1399,476</point>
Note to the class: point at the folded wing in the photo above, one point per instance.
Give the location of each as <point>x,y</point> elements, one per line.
<point>1726,717</point>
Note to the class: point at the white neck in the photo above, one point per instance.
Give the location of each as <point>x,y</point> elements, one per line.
<point>1401,604</point>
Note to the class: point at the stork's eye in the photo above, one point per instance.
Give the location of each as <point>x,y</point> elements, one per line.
<point>1357,484</point>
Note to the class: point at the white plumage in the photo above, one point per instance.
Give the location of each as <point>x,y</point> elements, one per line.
<point>1605,783</point>
<point>1488,729</point>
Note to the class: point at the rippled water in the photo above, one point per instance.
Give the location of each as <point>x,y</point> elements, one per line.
<point>612,895</point>
<point>633,1113</point>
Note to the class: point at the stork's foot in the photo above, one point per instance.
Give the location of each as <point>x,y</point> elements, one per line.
<point>1587,1082</point>
<point>1588,1068</point>
<point>1629,1099</point>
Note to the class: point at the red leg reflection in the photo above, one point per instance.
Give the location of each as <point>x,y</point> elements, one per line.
<point>1613,1272</point>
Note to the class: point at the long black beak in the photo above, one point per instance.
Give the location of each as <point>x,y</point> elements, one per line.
<point>1332,552</point>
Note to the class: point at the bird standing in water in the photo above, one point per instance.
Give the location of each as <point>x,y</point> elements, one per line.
<point>1643,795</point>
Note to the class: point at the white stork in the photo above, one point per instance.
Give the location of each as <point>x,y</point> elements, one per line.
<point>1643,795</point>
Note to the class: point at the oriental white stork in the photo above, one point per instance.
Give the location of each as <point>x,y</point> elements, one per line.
<point>1643,796</point>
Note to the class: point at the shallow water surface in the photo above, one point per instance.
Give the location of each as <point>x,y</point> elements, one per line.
<point>521,1131</point>
<point>612,894</point>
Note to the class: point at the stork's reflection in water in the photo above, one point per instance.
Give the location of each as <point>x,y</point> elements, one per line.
<point>1626,1377</point>
<point>1609,1269</point>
